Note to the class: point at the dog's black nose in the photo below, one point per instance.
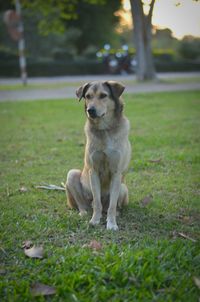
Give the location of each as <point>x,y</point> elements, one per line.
<point>92,112</point>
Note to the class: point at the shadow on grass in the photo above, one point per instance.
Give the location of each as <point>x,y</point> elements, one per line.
<point>135,222</point>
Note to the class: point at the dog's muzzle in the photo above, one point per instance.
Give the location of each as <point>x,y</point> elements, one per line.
<point>92,112</point>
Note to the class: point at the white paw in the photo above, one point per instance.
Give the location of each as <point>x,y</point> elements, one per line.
<point>112,226</point>
<point>94,220</point>
<point>82,213</point>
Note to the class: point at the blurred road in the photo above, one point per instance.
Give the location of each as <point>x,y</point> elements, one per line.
<point>165,82</point>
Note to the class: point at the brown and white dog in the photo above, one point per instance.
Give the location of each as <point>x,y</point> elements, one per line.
<point>107,154</point>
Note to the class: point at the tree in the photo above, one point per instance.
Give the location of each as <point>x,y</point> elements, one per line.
<point>142,33</point>
<point>163,39</point>
<point>55,13</point>
<point>77,21</point>
<point>143,30</point>
<point>96,24</point>
<point>66,28</point>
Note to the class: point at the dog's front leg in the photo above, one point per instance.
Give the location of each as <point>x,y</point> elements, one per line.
<point>114,195</point>
<point>96,191</point>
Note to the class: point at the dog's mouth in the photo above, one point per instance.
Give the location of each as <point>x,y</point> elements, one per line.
<point>102,115</point>
<point>92,114</point>
<point>96,116</point>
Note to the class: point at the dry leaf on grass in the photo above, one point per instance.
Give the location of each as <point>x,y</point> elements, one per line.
<point>94,245</point>
<point>146,200</point>
<point>23,189</point>
<point>34,252</point>
<point>184,218</point>
<point>39,289</point>
<point>197,282</point>
<point>158,160</point>
<point>27,244</point>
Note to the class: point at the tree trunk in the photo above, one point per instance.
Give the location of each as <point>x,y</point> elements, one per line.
<point>142,29</point>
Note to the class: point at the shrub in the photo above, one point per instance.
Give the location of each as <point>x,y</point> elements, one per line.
<point>177,66</point>
<point>190,48</point>
<point>10,68</point>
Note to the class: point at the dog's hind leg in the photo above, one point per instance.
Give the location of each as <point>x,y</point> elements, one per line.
<point>123,196</point>
<point>75,193</point>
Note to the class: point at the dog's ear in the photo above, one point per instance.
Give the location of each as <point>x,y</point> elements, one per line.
<point>81,91</point>
<point>116,88</point>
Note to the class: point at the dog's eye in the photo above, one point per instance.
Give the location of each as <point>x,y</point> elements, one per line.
<point>102,95</point>
<point>88,96</point>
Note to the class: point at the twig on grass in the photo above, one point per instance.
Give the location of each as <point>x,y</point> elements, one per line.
<point>2,249</point>
<point>50,187</point>
<point>186,236</point>
<point>7,191</point>
<point>180,234</point>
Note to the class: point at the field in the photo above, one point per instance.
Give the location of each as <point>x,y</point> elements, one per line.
<point>155,255</point>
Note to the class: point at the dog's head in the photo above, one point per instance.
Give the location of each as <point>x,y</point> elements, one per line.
<point>101,98</point>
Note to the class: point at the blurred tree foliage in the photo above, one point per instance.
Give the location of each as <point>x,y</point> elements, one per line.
<point>55,13</point>
<point>163,39</point>
<point>96,24</point>
<point>67,28</point>
<point>189,48</point>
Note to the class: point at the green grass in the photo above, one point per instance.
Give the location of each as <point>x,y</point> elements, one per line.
<point>146,260</point>
<point>193,79</point>
<point>31,86</point>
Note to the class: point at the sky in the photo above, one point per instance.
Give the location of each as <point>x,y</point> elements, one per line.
<point>183,19</point>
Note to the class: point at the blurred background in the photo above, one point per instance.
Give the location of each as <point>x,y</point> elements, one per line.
<point>99,36</point>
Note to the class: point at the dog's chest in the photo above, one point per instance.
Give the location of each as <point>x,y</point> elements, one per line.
<point>104,172</point>
<point>103,150</point>
<point>107,142</point>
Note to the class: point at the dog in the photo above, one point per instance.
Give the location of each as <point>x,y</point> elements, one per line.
<point>107,154</point>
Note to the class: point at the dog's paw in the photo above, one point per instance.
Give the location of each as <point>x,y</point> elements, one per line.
<point>96,217</point>
<point>112,226</point>
<point>94,221</point>
<point>82,213</point>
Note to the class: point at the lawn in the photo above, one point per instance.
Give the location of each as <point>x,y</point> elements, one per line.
<point>155,256</point>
